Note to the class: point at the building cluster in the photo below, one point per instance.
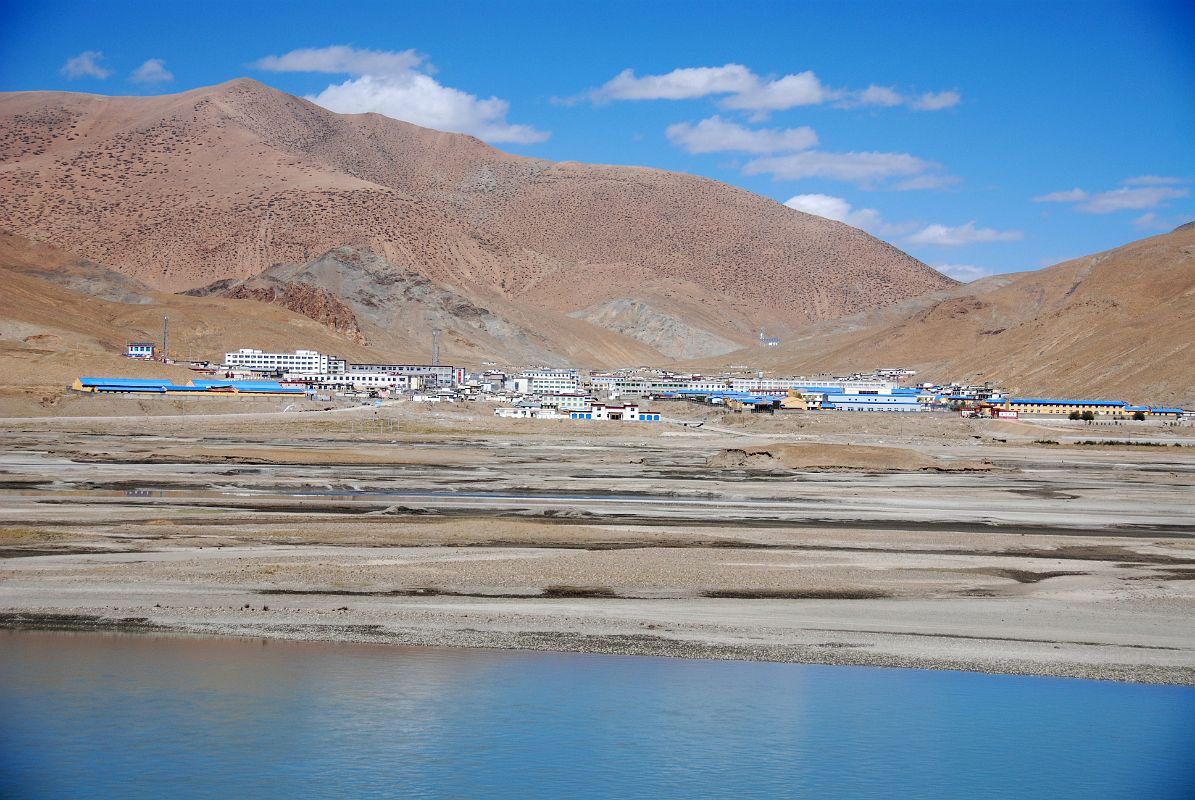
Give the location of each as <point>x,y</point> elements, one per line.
<point>621,395</point>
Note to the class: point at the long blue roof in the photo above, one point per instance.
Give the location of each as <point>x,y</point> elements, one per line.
<point>166,385</point>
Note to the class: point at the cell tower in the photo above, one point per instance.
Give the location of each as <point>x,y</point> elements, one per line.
<point>435,345</point>
<point>165,337</point>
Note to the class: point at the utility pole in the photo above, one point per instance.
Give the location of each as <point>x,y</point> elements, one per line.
<point>165,337</point>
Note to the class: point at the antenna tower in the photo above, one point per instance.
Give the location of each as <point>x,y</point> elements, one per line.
<point>165,337</point>
<point>435,345</point>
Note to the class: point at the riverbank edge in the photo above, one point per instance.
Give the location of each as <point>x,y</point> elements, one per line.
<point>596,644</point>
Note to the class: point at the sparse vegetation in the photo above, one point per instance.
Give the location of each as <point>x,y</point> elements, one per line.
<point>1125,443</point>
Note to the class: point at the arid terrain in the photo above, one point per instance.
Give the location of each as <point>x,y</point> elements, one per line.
<point>949,543</point>
<point>226,182</point>
<point>1115,324</point>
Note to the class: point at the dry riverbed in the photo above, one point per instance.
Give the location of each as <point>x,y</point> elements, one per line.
<point>448,527</point>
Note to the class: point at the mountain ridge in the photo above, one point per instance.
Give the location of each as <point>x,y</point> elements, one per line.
<point>1112,324</point>
<point>228,181</point>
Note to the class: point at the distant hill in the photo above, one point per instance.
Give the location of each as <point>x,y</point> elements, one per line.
<point>224,183</point>
<point>50,333</point>
<point>1119,324</point>
<point>370,301</point>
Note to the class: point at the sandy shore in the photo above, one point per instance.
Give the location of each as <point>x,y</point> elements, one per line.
<point>450,528</point>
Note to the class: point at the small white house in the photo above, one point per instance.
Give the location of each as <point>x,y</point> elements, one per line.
<point>142,350</point>
<point>625,413</point>
<point>527,412</point>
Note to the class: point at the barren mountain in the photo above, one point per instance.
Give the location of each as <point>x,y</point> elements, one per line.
<point>51,333</point>
<point>1118,324</point>
<point>181,191</point>
<point>369,300</point>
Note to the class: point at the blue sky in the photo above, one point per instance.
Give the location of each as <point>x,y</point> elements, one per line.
<point>978,136</point>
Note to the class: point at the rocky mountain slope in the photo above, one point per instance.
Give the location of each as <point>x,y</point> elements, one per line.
<point>51,333</point>
<point>224,183</point>
<point>367,299</point>
<point>1118,324</point>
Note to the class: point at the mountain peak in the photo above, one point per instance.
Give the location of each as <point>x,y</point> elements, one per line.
<point>223,182</point>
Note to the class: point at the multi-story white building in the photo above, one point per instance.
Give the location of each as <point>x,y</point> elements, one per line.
<point>567,402</point>
<point>432,374</point>
<point>304,361</point>
<point>546,381</point>
<point>357,380</point>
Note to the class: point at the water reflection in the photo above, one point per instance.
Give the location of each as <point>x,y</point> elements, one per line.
<point>145,716</point>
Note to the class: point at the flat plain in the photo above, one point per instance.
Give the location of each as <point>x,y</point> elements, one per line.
<point>995,546</point>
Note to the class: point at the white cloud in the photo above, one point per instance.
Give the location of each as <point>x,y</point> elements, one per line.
<point>423,100</point>
<point>879,96</point>
<point>744,90</point>
<point>822,205</point>
<point>1135,199</point>
<point>1149,221</point>
<point>680,84</point>
<point>152,71</point>
<point>1154,180</point>
<point>937,180</point>
<point>838,209</point>
<point>946,236</point>
<point>398,85</point>
<point>888,97</point>
<point>1068,196</point>
<point>935,101</point>
<point>344,60</point>
<point>864,169</point>
<point>963,272</point>
<point>715,135</point>
<point>85,65</point>
<point>802,89</point>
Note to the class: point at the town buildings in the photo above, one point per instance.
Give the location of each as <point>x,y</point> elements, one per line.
<point>304,361</point>
<point>546,381</point>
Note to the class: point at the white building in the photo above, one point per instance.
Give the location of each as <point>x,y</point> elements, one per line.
<point>527,412</point>
<point>568,402</point>
<point>624,413</point>
<point>432,374</point>
<point>357,380</point>
<point>546,381</point>
<point>142,350</point>
<point>305,361</point>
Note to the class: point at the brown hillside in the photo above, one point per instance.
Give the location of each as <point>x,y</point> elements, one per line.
<point>184,190</point>
<point>1118,324</point>
<point>371,301</point>
<point>50,334</point>
<point>346,302</point>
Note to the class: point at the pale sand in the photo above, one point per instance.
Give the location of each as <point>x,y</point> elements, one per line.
<point>1059,561</point>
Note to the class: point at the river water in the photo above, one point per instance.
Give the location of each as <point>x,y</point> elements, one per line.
<point>129,716</point>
